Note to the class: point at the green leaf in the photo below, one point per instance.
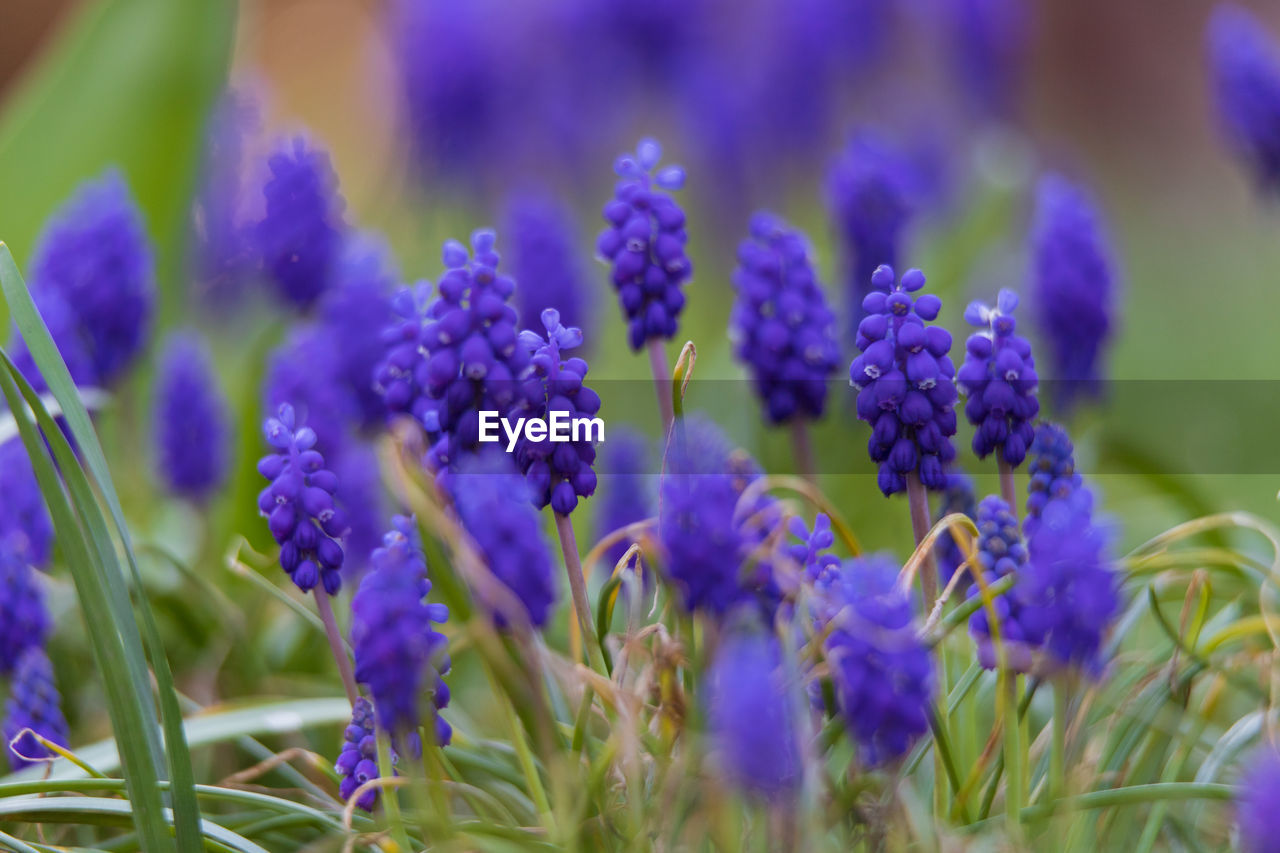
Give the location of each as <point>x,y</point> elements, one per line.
<point>95,810</point>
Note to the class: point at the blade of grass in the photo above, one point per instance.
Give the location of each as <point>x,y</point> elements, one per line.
<point>99,811</point>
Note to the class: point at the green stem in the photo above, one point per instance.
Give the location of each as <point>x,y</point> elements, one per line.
<point>390,797</point>
<point>802,447</point>
<point>336,645</point>
<point>1012,753</point>
<point>661,382</point>
<point>578,591</point>
<point>1008,489</point>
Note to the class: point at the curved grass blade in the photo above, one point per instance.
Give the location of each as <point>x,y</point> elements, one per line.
<point>103,812</point>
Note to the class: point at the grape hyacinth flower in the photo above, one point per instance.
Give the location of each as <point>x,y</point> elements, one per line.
<point>871,192</point>
<point>24,621</point>
<point>1001,552</point>
<point>558,473</point>
<point>905,382</point>
<point>299,505</point>
<point>999,378</point>
<point>301,231</point>
<point>26,531</point>
<point>1258,801</point>
<point>813,552</point>
<point>63,325</point>
<point>1244,61</point>
<point>880,670</point>
<point>1073,275</point>
<point>223,251</point>
<point>988,44</point>
<point>95,264</point>
<point>1053,472</point>
<point>33,704</point>
<point>752,716</point>
<point>190,415</point>
<point>545,259</point>
<point>493,505</point>
<point>628,489</point>
<point>358,761</point>
<point>708,540</point>
<point>957,497</point>
<point>781,326</point>
<point>400,377</point>
<point>397,648</point>
<point>645,244</point>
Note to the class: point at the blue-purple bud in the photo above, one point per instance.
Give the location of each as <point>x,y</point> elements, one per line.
<point>358,761</point>
<point>33,704</point>
<point>1052,470</point>
<point>190,420</point>
<point>1244,61</point>
<point>1001,552</point>
<point>813,553</point>
<point>999,379</point>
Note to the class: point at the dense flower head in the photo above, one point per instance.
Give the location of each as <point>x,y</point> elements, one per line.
<point>558,473</point>
<point>988,43</point>
<point>999,380</point>
<point>782,327</point>
<point>475,361</point>
<point>24,621</point>
<point>871,190</point>
<point>492,502</point>
<point>545,259</point>
<point>813,552</point>
<point>1069,588</point>
<point>752,716</point>
<point>1245,64</point>
<point>400,376</point>
<point>644,243</point>
<point>358,761</point>
<point>299,504</point>
<point>397,648</point>
<point>1074,286</point>
<point>627,495</point>
<point>223,249</point>
<point>192,433</point>
<point>1001,552</point>
<point>957,497</point>
<point>33,704</point>
<point>1258,801</point>
<point>905,382</point>
<point>95,262</point>
<point>301,231</point>
<point>880,670</point>
<point>1052,470</point>
<point>63,325</point>
<point>25,527</point>
<point>710,542</point>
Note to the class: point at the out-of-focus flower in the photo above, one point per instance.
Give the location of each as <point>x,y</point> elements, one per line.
<point>988,43</point>
<point>999,378</point>
<point>1244,61</point>
<point>905,382</point>
<point>299,505</point>
<point>1074,287</point>
<point>26,530</point>
<point>400,376</point>
<point>33,704</point>
<point>300,235</point>
<point>1258,801</point>
<point>224,254</point>
<point>957,497</point>
<point>545,259</point>
<point>24,621</point>
<point>1052,470</point>
<point>1001,552</point>
<point>629,485</point>
<point>645,244</point>
<point>190,420</point>
<point>781,324</point>
<point>358,761</point>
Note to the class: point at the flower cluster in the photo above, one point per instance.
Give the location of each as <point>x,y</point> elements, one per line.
<point>24,622</point>
<point>1001,552</point>
<point>396,646</point>
<point>544,258</point>
<point>1245,62</point>
<point>493,505</point>
<point>783,329</point>
<point>905,382</point>
<point>709,541</point>
<point>190,420</point>
<point>93,280</point>
<point>33,704</point>
<point>813,552</point>
<point>988,43</point>
<point>644,242</point>
<point>559,473</point>
<point>1053,472</point>
<point>752,716</point>
<point>223,252</point>
<point>299,505</point>
<point>627,495</point>
<point>26,530</point>
<point>400,376</point>
<point>999,380</point>
<point>880,671</point>
<point>1074,286</point>
<point>301,231</point>
<point>957,497</point>
<point>358,761</point>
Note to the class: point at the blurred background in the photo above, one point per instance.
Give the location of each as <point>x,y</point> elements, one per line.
<point>436,113</point>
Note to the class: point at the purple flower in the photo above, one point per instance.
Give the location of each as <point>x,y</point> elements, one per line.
<point>26,530</point>
<point>1074,284</point>
<point>628,479</point>
<point>1001,552</point>
<point>988,44</point>
<point>545,256</point>
<point>881,672</point>
<point>752,716</point>
<point>709,542</point>
<point>999,378</point>
<point>358,761</point>
<point>558,473</point>
<point>492,502</point>
<point>1258,801</point>
<point>94,261</point>
<point>871,193</point>
<point>1244,61</point>
<point>400,376</point>
<point>63,325</point>
<point>299,505</point>
<point>24,621</point>
<point>300,235</point>
<point>33,704</point>
<point>782,327</point>
<point>905,382</point>
<point>645,244</point>
<point>957,497</point>
<point>190,415</point>
<point>1052,470</point>
<point>398,651</point>
<point>304,372</point>
<point>813,553</point>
